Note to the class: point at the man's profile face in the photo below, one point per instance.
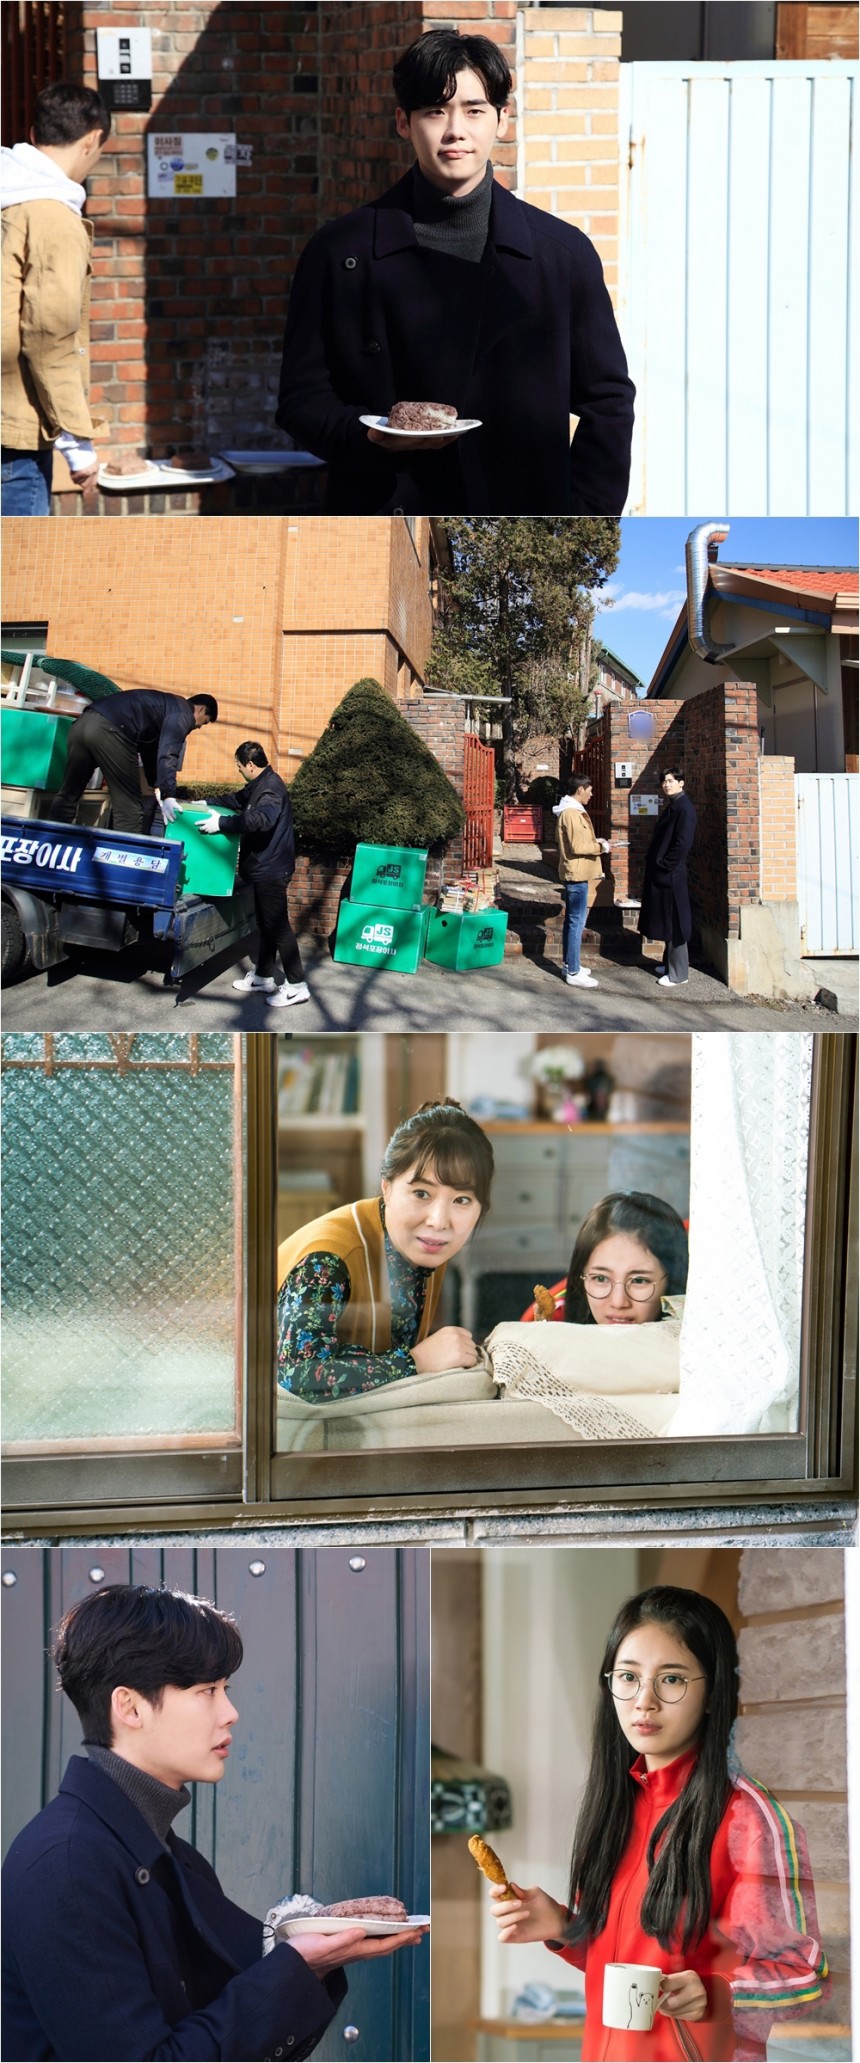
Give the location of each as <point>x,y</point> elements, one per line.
<point>453,139</point>
<point>184,1740</point>
<point>200,714</point>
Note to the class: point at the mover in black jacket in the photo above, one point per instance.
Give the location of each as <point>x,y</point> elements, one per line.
<point>142,723</point>
<point>119,1942</point>
<point>449,289</point>
<point>263,819</point>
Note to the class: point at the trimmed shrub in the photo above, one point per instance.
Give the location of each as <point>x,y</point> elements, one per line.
<point>371,780</point>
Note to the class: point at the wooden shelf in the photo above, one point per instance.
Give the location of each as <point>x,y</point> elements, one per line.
<point>549,1128</point>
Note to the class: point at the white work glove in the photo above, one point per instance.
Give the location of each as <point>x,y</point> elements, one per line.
<point>169,808</point>
<point>210,823</point>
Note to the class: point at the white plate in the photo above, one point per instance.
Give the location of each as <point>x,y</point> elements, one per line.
<point>456,429</point>
<point>159,476</point>
<point>314,1924</point>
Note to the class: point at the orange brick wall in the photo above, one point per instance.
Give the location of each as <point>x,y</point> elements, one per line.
<point>275,618</point>
<point>569,117</point>
<point>778,833</point>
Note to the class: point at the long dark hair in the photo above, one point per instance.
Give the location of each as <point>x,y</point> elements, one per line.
<point>643,1217</point>
<point>443,1136</point>
<point>678,1897</point>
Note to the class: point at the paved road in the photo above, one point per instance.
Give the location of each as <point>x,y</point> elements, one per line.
<point>99,994</point>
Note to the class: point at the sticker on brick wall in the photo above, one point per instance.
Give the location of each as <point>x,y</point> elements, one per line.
<point>192,167</point>
<point>644,805</point>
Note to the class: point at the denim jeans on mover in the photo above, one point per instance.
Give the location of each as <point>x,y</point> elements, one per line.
<point>575,913</point>
<point>26,482</point>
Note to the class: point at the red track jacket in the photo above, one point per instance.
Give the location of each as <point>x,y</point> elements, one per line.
<point>761,1959</point>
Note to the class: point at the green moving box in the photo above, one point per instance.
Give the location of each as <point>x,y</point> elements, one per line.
<point>389,875</point>
<point>475,938</point>
<point>209,858</point>
<point>33,747</point>
<point>382,936</point>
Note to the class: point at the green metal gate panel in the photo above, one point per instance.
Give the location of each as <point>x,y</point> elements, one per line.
<point>326,1790</point>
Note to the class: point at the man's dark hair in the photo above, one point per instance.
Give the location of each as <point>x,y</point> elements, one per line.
<point>130,1634</point>
<point>251,753</point>
<point>64,113</point>
<point>426,74</point>
<point>578,781</point>
<point>676,772</point>
<point>206,702</point>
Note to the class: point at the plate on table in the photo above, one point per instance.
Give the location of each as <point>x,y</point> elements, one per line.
<point>455,429</point>
<point>341,1923</point>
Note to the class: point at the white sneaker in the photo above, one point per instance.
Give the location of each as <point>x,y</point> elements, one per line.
<point>665,983</point>
<point>286,995</point>
<point>582,980</point>
<point>255,981</point>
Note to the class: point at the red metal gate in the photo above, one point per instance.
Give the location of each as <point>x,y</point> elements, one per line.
<point>479,773</point>
<point>593,759</point>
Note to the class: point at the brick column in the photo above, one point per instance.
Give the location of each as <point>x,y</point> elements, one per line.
<point>569,101</point>
<point>778,830</point>
<point>630,836</point>
<point>441,721</point>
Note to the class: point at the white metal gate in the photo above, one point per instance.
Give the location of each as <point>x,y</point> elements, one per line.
<point>738,306</point>
<point>828,820</point>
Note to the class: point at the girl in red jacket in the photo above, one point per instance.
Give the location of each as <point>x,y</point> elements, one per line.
<point>679,1859</point>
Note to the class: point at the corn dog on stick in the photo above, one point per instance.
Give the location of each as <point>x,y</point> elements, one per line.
<point>488,1861</point>
<point>544,1302</point>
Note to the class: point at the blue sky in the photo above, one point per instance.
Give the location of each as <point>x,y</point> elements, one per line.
<point>648,586</point>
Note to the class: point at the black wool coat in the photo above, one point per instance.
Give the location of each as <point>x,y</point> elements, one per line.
<point>115,1947</point>
<point>521,341</point>
<point>665,911</point>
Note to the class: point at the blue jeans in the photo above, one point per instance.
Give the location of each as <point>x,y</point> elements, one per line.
<point>26,482</point>
<point>575,913</point>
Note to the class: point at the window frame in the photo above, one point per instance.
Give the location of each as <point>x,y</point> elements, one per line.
<point>67,1476</point>
<point>186,1491</point>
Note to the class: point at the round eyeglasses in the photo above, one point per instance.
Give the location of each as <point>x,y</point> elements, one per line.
<point>668,1685</point>
<point>640,1288</point>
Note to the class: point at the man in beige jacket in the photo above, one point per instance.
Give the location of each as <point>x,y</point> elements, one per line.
<point>46,297</point>
<point>580,872</point>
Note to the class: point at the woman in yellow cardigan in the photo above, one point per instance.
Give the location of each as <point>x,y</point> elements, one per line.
<point>361,1286</point>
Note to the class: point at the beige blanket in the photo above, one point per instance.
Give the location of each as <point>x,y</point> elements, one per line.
<point>555,1383</point>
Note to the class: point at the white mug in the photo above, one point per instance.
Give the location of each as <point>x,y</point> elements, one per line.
<point>630,1995</point>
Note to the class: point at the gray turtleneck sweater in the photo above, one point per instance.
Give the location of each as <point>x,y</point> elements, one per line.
<point>157,1803</point>
<point>457,224</point>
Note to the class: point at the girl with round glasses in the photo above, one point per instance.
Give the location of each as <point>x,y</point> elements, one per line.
<point>679,1859</point>
<point>631,1253</point>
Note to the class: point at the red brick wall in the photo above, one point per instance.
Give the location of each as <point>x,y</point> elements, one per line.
<point>714,738</point>
<point>190,296</point>
<point>721,757</point>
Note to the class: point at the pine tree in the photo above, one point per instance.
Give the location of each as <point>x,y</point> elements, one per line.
<point>371,780</point>
<point>517,613</point>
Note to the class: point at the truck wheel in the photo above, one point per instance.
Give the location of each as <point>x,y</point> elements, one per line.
<point>13,948</point>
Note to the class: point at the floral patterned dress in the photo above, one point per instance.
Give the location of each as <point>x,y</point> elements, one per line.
<point>312,1362</point>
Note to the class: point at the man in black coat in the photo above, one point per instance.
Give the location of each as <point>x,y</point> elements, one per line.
<point>118,1939</point>
<point>665,911</point>
<point>138,723</point>
<point>449,289</point>
<point>262,818</point>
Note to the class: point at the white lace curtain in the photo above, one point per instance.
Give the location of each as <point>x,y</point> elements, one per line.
<point>740,1340</point>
